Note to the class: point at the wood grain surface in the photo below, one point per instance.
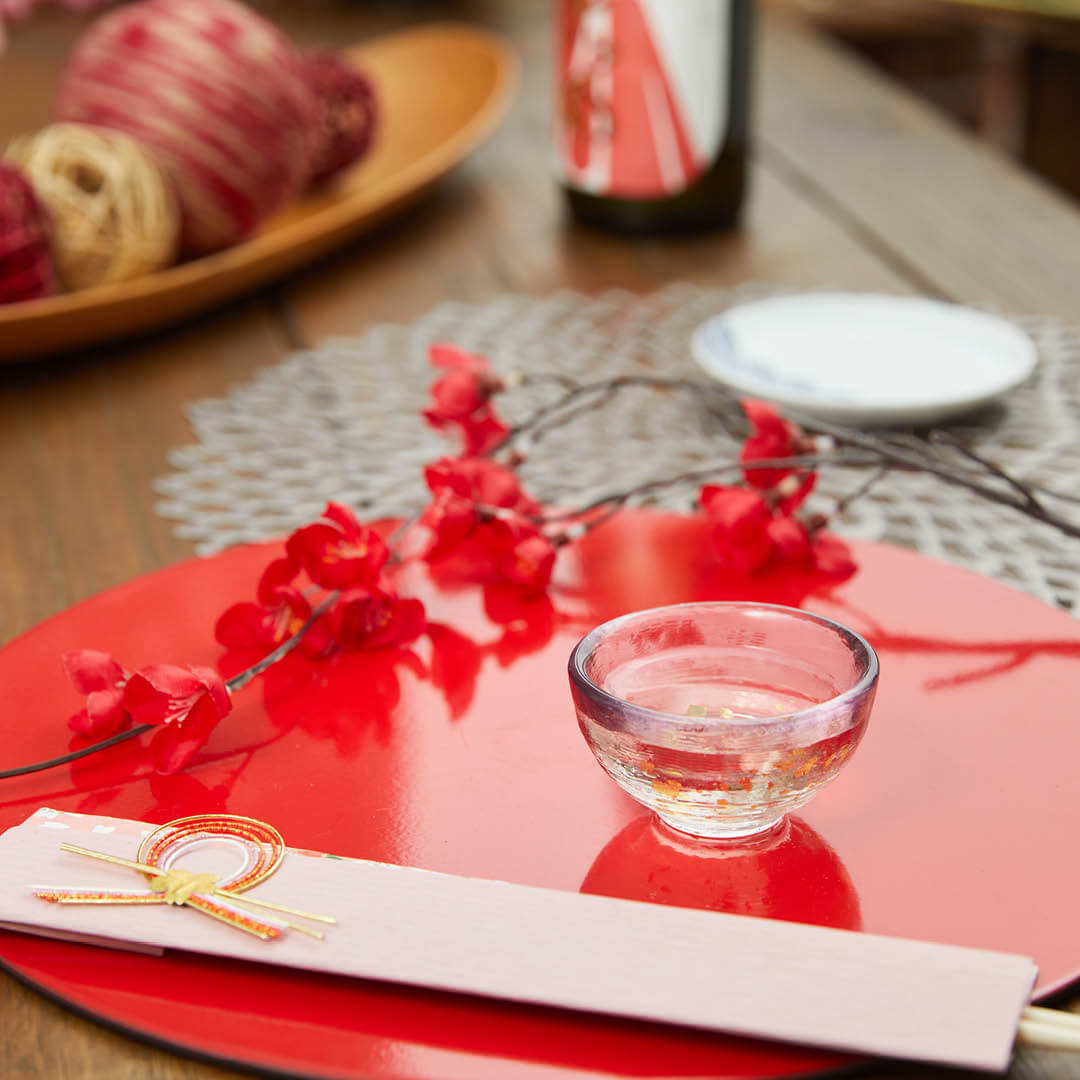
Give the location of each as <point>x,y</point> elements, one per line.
<point>854,185</point>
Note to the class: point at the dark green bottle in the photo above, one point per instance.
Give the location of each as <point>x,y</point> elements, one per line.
<point>652,122</point>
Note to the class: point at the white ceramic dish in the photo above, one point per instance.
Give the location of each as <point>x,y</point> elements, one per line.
<point>865,358</point>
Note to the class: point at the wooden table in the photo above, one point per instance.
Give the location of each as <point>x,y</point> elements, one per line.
<point>855,184</point>
<point>1006,67</point>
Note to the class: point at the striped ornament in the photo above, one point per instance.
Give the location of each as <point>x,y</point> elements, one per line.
<point>216,92</point>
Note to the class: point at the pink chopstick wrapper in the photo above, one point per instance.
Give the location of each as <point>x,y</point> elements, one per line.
<point>762,978</point>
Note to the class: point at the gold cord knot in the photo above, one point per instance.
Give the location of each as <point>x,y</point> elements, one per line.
<point>179,885</point>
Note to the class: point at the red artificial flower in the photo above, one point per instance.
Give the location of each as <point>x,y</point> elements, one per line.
<point>790,540</point>
<point>523,556</point>
<point>793,543</point>
<point>369,618</point>
<point>482,433</point>
<point>450,518</point>
<point>832,557</point>
<point>98,676</point>
<point>186,703</point>
<point>748,535</point>
<point>480,481</point>
<point>279,611</point>
<point>466,387</point>
<point>741,520</point>
<point>462,397</point>
<point>463,488</point>
<point>337,552</point>
<point>771,436</point>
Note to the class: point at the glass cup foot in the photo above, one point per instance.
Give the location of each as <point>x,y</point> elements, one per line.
<point>720,830</point>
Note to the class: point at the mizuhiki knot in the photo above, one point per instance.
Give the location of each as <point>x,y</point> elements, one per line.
<point>179,885</point>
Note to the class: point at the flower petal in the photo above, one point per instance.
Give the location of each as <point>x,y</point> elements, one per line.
<point>446,475</point>
<point>154,694</point>
<point>833,557</point>
<point>171,753</point>
<point>772,436</point>
<point>342,517</point>
<point>443,355</point>
<point>450,519</point>
<point>456,396</point>
<point>81,722</point>
<point>106,713</point>
<point>789,539</point>
<point>91,669</point>
<point>741,517</point>
<point>240,626</point>
<point>177,743</point>
<point>526,558</point>
<point>216,688</point>
<point>483,432</point>
<point>278,574</point>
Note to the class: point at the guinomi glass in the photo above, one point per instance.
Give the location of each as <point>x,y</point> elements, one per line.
<point>722,717</point>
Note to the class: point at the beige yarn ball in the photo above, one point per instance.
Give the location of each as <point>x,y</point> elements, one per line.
<point>113,212</point>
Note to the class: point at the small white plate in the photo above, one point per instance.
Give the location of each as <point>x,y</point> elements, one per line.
<point>865,358</point>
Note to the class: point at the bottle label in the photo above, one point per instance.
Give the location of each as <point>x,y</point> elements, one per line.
<point>642,93</point>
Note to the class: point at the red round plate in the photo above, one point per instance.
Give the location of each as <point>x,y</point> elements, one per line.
<point>463,755</point>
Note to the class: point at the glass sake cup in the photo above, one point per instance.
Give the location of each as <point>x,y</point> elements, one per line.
<point>722,717</point>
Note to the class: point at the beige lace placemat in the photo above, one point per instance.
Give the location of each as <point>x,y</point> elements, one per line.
<point>341,421</point>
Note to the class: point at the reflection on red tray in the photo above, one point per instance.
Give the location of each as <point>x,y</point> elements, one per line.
<point>462,755</point>
<point>790,873</point>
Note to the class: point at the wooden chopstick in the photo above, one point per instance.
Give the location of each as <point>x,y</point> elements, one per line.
<point>1051,1029</point>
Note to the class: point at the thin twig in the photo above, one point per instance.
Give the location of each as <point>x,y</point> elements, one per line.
<point>567,382</point>
<point>707,472</point>
<point>63,759</point>
<point>943,438</point>
<point>608,387</point>
<point>603,396</point>
<point>845,501</point>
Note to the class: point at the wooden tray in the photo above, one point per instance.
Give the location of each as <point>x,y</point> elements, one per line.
<point>442,90</point>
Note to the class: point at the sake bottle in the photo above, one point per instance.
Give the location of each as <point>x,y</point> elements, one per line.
<point>652,111</point>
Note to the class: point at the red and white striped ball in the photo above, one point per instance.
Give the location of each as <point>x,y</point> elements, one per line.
<point>216,92</point>
<point>347,113</point>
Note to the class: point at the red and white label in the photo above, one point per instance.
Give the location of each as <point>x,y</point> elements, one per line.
<point>642,107</point>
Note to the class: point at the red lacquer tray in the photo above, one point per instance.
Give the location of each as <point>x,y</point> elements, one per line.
<point>953,822</point>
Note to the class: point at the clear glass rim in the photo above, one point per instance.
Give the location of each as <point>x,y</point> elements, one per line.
<point>584,648</point>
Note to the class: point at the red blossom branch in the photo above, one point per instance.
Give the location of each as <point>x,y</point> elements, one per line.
<point>236,682</point>
<point>895,451</point>
<point>480,518</point>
